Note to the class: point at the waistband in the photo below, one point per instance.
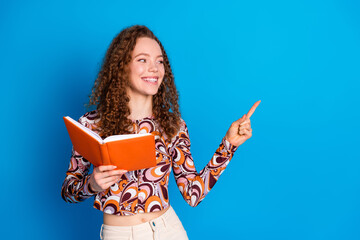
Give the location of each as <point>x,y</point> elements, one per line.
<point>168,217</point>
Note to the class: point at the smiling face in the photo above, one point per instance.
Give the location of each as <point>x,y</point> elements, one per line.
<point>146,68</point>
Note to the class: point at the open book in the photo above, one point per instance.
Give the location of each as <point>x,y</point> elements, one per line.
<point>129,151</point>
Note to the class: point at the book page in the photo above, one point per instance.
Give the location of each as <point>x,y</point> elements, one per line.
<point>124,136</point>
<point>86,130</point>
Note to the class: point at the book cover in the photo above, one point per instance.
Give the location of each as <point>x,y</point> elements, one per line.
<point>129,151</point>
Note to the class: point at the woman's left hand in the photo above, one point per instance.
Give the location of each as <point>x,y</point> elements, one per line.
<point>240,130</point>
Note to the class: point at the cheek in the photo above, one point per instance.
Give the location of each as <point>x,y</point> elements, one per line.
<point>137,69</point>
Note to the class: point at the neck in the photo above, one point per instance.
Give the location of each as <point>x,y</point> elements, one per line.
<point>140,107</point>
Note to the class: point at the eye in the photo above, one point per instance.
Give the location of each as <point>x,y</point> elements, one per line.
<point>161,61</point>
<point>141,60</point>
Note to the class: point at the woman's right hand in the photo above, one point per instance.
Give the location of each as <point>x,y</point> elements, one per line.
<point>104,176</point>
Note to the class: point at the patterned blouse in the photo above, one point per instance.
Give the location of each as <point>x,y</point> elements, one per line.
<point>146,190</point>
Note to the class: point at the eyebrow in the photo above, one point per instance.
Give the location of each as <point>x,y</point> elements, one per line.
<point>146,54</point>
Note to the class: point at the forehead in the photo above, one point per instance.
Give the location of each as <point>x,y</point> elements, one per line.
<point>147,46</point>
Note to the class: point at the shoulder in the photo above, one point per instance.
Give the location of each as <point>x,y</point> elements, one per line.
<point>183,125</point>
<point>182,132</point>
<point>90,119</point>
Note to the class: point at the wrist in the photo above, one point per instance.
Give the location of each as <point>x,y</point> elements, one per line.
<point>90,186</point>
<point>91,190</point>
<point>229,141</point>
<point>229,145</point>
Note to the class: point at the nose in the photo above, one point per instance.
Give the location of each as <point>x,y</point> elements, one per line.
<point>153,67</point>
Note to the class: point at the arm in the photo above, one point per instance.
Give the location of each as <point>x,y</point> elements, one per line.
<point>195,186</point>
<point>192,185</point>
<point>76,184</point>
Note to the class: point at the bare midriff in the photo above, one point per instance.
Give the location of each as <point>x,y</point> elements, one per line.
<point>114,220</point>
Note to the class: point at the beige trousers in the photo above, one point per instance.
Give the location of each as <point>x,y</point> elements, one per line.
<point>167,226</point>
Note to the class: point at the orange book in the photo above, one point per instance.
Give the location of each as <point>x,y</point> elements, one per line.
<point>128,151</point>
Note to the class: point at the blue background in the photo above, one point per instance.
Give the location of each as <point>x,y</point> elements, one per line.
<point>296,178</point>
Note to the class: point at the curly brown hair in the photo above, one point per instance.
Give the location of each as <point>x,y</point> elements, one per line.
<point>109,91</point>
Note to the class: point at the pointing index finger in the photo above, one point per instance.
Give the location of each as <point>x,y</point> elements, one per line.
<point>252,109</point>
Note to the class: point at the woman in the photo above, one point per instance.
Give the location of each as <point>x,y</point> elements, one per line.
<point>135,93</point>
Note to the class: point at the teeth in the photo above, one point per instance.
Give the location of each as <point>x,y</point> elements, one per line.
<point>150,79</point>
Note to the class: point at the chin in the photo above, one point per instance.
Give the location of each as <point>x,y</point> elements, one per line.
<point>153,93</point>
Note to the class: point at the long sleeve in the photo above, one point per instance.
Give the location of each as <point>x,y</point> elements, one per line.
<point>192,185</point>
<point>76,184</point>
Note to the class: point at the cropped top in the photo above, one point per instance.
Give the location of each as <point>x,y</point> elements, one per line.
<point>146,190</point>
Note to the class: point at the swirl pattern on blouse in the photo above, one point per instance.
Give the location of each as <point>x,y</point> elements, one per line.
<point>146,190</point>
